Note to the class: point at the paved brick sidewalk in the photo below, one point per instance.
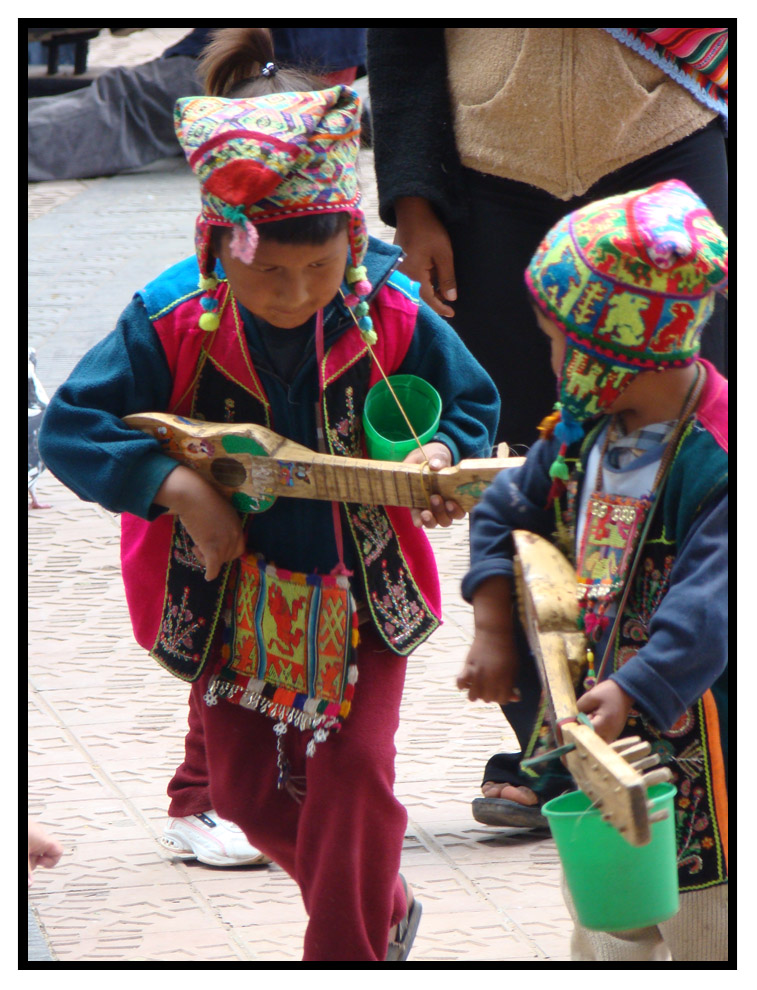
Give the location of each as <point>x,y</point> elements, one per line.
<point>106,724</point>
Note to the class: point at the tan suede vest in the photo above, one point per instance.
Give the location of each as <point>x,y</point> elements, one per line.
<point>558,108</point>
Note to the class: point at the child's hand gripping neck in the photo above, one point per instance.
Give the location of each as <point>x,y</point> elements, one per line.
<point>207,516</point>
<point>442,512</point>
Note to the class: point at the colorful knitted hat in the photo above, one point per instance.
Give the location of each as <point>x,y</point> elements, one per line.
<point>631,281</point>
<point>269,158</point>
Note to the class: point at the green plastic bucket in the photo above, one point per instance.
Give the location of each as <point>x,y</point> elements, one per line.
<point>616,886</point>
<point>387,435</point>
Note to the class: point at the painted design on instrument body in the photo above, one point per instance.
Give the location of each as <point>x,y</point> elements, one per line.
<point>473,489</point>
<point>248,503</point>
<point>262,475</point>
<point>263,466</point>
<point>197,449</point>
<point>291,471</point>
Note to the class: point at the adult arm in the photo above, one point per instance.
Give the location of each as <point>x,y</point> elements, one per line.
<point>417,167</point>
<point>413,134</point>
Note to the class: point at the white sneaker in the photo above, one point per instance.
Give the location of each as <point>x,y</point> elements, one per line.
<point>211,840</point>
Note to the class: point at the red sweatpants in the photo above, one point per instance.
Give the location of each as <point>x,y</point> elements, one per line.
<point>342,844</point>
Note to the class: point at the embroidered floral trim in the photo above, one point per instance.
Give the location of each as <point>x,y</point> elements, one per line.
<point>691,822</point>
<point>402,616</point>
<point>177,629</point>
<point>183,550</point>
<point>375,532</point>
<point>344,437</point>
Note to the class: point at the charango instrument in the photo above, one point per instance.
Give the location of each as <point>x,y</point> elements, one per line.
<point>252,466</point>
<point>610,774</point>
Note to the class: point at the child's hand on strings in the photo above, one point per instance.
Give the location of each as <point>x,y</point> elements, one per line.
<point>443,511</point>
<point>207,516</point>
<point>607,705</point>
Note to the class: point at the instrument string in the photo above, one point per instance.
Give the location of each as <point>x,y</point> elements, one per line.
<point>388,384</point>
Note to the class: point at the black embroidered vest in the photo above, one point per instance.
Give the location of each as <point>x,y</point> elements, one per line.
<point>193,607</point>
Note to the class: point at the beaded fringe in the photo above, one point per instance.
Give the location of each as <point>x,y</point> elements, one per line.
<point>254,699</point>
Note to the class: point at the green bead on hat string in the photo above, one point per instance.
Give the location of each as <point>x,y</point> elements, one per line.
<point>558,468</point>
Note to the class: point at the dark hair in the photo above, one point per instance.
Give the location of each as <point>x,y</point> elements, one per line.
<point>231,66</point>
<point>291,230</point>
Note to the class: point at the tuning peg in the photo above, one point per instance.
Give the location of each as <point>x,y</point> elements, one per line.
<point>660,776</point>
<point>620,744</point>
<point>645,763</point>
<point>657,816</point>
<point>635,752</point>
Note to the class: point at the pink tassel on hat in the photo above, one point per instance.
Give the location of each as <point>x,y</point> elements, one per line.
<point>244,242</point>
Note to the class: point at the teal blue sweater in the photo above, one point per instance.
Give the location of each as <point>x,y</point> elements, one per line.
<point>86,445</point>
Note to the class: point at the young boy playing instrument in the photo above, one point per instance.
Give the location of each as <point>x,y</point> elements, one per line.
<point>271,336</point>
<point>631,482</point>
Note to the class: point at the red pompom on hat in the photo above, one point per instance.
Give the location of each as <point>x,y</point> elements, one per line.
<point>241,182</point>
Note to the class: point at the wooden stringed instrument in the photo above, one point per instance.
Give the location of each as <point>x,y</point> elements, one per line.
<point>610,774</point>
<point>252,466</point>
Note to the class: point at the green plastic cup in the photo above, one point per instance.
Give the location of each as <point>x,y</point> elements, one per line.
<point>387,435</point>
<point>616,886</point>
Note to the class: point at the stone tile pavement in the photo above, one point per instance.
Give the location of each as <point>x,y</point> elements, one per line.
<point>106,724</point>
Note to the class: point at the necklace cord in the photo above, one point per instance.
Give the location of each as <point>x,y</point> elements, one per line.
<point>388,384</point>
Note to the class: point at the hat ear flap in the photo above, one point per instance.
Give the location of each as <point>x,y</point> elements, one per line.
<point>203,249</point>
<point>358,235</point>
<point>209,318</point>
<point>356,276</point>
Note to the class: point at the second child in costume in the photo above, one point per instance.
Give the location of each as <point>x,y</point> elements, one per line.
<point>630,481</point>
<point>291,300</point>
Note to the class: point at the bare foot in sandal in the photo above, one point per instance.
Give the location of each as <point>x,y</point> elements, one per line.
<point>521,795</point>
